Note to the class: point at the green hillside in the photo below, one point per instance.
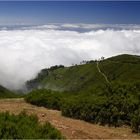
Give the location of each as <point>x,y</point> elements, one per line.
<point>5,93</point>
<point>107,91</point>
<point>122,68</point>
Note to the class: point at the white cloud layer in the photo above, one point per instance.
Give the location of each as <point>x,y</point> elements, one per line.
<point>85,27</point>
<point>24,52</point>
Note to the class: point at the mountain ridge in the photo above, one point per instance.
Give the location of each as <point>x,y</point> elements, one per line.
<point>121,68</point>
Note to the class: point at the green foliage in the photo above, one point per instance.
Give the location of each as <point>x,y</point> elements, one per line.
<point>23,126</point>
<point>126,58</point>
<point>116,105</point>
<point>124,68</point>
<point>46,98</point>
<point>34,83</point>
<point>113,107</point>
<point>135,121</point>
<point>74,78</point>
<point>88,95</point>
<point>5,93</point>
<point>56,67</point>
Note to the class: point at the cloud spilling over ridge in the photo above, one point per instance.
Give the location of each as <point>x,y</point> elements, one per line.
<point>24,52</point>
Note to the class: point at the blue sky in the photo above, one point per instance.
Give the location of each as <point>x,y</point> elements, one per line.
<point>43,12</point>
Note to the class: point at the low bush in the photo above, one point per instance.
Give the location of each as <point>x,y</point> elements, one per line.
<point>23,126</point>
<point>116,105</point>
<point>46,98</point>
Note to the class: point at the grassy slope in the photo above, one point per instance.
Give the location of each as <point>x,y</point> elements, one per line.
<point>124,68</point>
<point>5,93</point>
<point>74,78</point>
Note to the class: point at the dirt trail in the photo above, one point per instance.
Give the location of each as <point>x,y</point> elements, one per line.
<point>102,73</point>
<point>70,128</point>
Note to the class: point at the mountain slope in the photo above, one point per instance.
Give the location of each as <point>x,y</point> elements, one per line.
<point>122,68</point>
<point>5,93</point>
<point>108,91</point>
<point>72,78</point>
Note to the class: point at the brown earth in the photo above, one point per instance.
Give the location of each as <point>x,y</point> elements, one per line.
<point>70,128</point>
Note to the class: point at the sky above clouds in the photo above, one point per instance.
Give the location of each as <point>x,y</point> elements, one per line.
<point>43,12</point>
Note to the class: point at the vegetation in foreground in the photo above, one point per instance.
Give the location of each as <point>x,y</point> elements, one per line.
<point>23,126</point>
<point>117,105</point>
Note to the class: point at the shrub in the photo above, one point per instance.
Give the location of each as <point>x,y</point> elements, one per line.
<point>114,106</point>
<point>23,126</point>
<point>46,98</point>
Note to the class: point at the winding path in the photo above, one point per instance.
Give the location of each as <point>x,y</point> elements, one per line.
<point>70,128</point>
<point>102,73</point>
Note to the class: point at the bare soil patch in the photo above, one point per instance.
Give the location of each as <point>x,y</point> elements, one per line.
<point>70,128</point>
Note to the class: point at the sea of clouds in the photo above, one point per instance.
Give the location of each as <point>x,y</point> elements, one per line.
<point>27,50</point>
